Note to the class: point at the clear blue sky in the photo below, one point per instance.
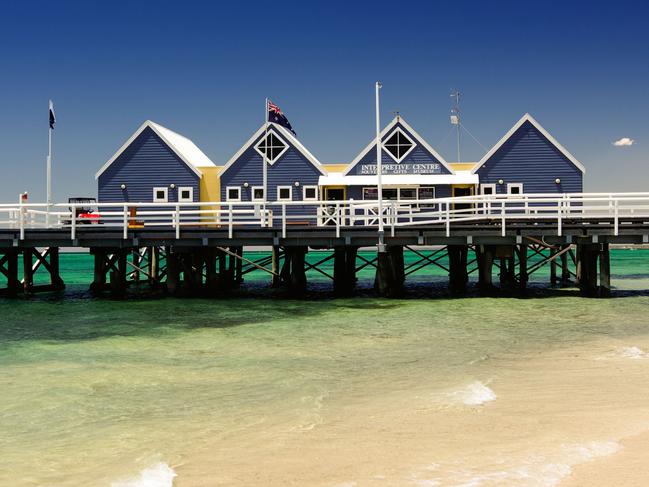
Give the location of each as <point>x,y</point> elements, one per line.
<point>203,69</point>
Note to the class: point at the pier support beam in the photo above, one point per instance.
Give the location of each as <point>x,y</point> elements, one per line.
<point>485,256</point>
<point>390,275</point>
<point>293,275</point>
<point>275,267</point>
<point>565,270</point>
<point>344,270</point>
<point>604,290</point>
<point>507,275</point>
<point>9,269</point>
<point>587,256</point>
<point>458,276</point>
<point>523,276</point>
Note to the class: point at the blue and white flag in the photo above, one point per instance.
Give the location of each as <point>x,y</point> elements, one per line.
<point>52,116</point>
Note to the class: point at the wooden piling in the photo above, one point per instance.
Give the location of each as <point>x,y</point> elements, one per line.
<point>565,270</point>
<point>604,271</point>
<point>485,257</point>
<point>389,273</point>
<point>523,276</point>
<point>275,267</point>
<point>553,267</point>
<point>28,273</point>
<point>457,272</point>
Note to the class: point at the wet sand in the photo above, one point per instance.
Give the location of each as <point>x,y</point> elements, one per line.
<point>627,467</point>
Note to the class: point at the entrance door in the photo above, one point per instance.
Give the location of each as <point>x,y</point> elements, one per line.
<point>335,194</point>
<point>462,191</point>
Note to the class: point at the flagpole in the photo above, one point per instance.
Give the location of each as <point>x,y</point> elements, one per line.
<point>49,167</point>
<point>265,168</point>
<point>379,168</point>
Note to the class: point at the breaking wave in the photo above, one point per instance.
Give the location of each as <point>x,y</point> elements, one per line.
<point>474,394</point>
<point>158,475</point>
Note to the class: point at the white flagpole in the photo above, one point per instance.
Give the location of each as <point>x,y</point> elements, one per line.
<point>49,164</point>
<point>265,168</point>
<point>379,169</point>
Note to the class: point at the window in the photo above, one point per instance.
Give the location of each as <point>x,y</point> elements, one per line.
<point>257,193</point>
<point>370,194</point>
<point>160,195</point>
<point>276,147</point>
<point>233,193</point>
<point>426,192</point>
<point>515,188</point>
<point>398,145</point>
<point>185,194</point>
<point>310,193</point>
<point>284,193</point>
<point>488,189</point>
<point>407,193</point>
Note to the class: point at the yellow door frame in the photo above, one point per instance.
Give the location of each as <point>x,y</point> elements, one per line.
<point>326,188</point>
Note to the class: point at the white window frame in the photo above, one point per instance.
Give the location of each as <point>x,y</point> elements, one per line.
<point>191,194</point>
<point>488,185</point>
<point>155,194</point>
<point>515,185</point>
<point>309,186</point>
<point>412,147</point>
<point>252,193</point>
<point>261,153</point>
<point>290,193</point>
<point>227,193</point>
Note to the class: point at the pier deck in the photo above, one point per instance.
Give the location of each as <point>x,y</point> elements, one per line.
<point>202,243</point>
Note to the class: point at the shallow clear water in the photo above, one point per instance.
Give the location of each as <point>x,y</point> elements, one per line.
<point>360,391</point>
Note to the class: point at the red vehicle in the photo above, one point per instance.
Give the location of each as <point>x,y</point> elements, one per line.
<point>87,213</point>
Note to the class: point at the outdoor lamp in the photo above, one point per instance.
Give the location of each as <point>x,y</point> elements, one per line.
<point>172,185</point>
<point>500,181</point>
<point>123,186</point>
<point>558,181</point>
<point>246,184</point>
<point>296,183</point>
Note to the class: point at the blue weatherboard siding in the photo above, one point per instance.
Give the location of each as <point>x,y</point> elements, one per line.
<point>146,163</point>
<point>528,157</point>
<point>290,167</point>
<point>420,158</point>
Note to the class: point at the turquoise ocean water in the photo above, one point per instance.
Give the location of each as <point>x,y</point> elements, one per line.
<point>259,390</point>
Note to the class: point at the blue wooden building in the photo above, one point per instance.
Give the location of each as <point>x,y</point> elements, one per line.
<point>156,165</point>
<point>529,160</point>
<point>292,171</point>
<point>411,169</point>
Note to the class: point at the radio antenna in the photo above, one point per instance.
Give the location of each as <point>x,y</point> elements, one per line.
<point>455,118</point>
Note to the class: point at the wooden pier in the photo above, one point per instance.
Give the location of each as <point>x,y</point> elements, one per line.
<point>502,241</point>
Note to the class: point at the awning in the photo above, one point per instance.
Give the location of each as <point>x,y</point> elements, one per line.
<point>460,177</point>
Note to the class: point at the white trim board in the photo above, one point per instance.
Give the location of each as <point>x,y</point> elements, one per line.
<point>288,136</point>
<point>418,139</point>
<point>528,118</point>
<point>184,148</point>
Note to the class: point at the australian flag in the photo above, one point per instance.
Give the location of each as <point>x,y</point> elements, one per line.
<point>52,116</point>
<point>275,115</point>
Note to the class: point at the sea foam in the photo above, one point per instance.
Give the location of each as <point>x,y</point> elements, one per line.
<point>158,475</point>
<point>633,352</point>
<point>474,394</point>
<point>536,470</point>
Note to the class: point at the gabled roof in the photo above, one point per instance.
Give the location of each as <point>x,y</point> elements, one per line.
<point>184,148</point>
<point>528,118</point>
<point>287,136</point>
<point>420,140</point>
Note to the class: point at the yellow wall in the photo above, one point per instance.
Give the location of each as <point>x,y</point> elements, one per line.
<point>210,188</point>
<point>462,166</point>
<point>336,167</point>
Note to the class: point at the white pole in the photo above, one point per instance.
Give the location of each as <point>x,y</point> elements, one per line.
<point>379,169</point>
<point>265,161</point>
<point>49,167</point>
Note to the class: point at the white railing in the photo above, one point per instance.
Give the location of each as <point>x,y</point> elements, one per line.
<point>616,209</point>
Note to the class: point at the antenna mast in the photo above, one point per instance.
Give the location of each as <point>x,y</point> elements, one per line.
<point>455,118</point>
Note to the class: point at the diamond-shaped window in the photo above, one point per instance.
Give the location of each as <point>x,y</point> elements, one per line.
<point>276,147</point>
<point>398,145</point>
